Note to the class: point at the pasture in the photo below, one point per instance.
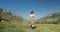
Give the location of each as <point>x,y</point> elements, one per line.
<point>15,26</point>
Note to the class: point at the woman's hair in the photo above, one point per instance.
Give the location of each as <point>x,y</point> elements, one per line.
<point>32,12</point>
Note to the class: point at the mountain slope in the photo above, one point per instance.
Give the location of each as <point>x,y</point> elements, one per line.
<point>55,17</point>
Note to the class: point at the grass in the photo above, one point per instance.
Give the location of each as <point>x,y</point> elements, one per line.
<point>15,26</point>
<point>47,28</point>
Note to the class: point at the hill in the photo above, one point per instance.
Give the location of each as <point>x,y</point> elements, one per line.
<point>55,17</point>
<point>6,15</point>
<point>10,22</point>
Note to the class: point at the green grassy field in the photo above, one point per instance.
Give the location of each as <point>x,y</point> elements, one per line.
<point>15,26</point>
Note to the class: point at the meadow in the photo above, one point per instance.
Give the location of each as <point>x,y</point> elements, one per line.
<point>15,26</point>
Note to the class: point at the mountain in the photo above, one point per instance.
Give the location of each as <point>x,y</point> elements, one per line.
<point>6,15</point>
<point>50,18</point>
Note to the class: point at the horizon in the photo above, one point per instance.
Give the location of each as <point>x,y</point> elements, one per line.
<point>24,7</point>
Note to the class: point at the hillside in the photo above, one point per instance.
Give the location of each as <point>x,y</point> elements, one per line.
<point>51,17</point>
<point>10,22</point>
<point>6,15</point>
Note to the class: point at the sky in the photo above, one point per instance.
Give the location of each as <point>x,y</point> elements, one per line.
<point>24,7</point>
